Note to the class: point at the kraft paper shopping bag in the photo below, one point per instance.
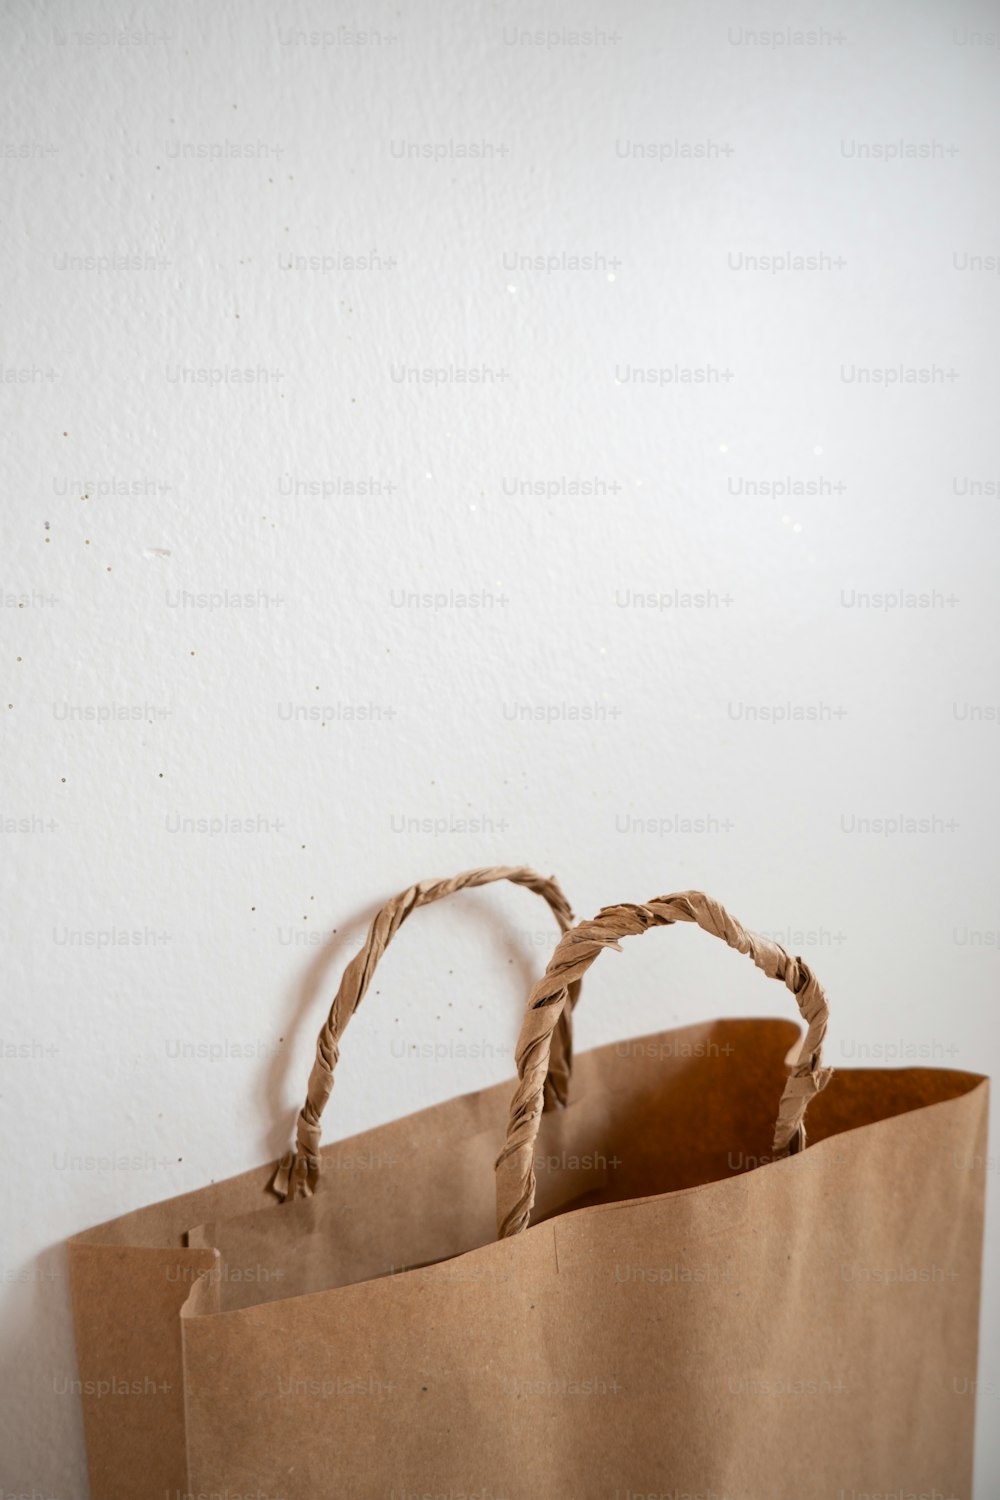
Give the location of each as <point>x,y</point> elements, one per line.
<point>663,1287</point>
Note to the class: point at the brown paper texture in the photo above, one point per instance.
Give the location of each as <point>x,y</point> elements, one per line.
<point>658,1289</point>
<point>711,1320</point>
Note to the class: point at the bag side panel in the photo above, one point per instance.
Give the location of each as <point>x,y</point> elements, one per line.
<point>126,1306</point>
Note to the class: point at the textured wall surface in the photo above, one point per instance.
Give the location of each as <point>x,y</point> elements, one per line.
<point>428,444</point>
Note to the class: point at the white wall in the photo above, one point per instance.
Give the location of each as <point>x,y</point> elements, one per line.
<point>117,587</point>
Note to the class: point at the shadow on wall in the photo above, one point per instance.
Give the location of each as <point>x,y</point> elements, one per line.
<point>39,1382</point>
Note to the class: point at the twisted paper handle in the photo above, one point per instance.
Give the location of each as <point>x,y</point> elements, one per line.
<point>576,951</point>
<point>298,1170</point>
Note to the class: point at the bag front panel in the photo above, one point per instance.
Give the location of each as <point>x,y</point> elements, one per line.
<point>801,1329</point>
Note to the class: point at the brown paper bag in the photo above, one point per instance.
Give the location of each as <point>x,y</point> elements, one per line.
<point>683,1298</point>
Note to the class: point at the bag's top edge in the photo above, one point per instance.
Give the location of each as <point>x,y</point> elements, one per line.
<point>479,1108</point>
